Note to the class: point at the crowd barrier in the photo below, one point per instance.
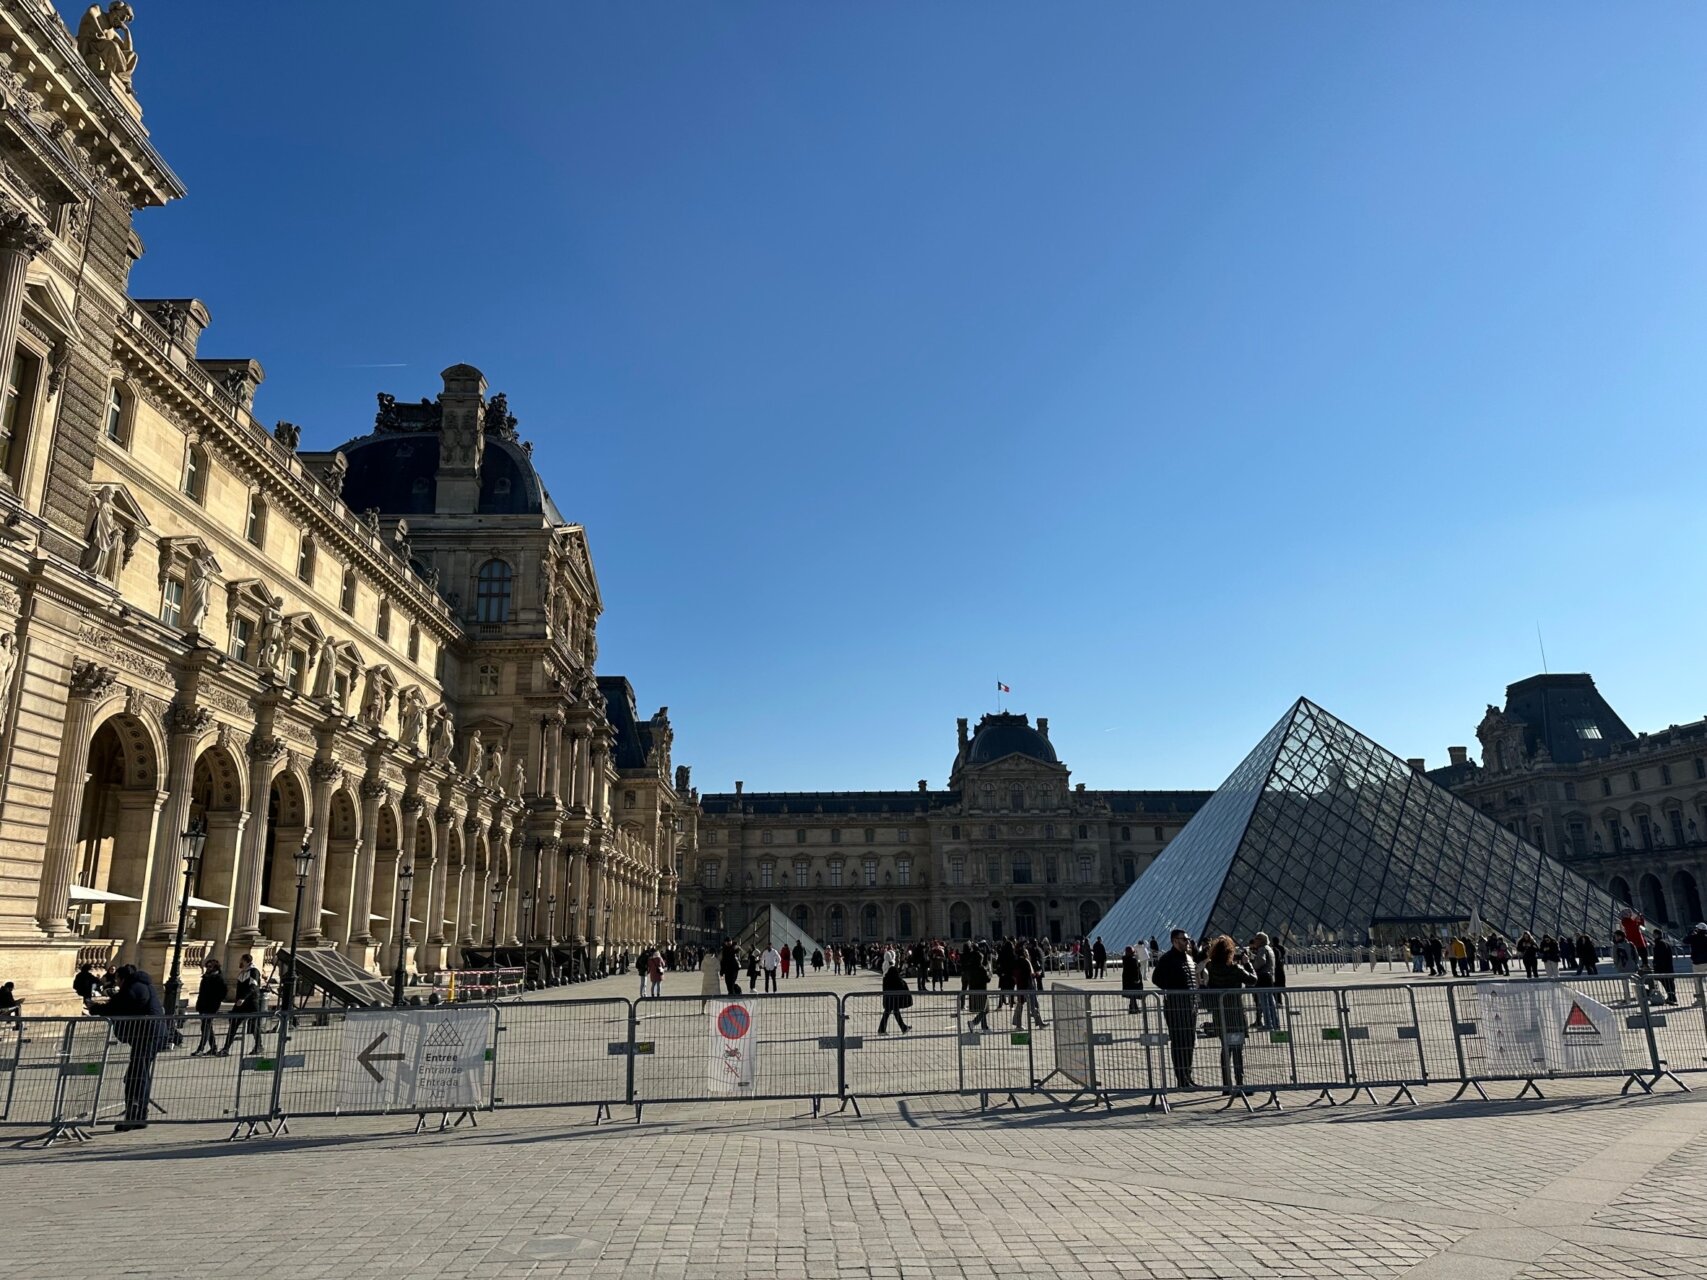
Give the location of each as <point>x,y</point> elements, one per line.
<point>62,1076</point>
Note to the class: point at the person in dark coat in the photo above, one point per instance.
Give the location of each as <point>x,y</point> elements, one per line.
<point>10,1005</point>
<point>1228,971</point>
<point>729,965</point>
<point>975,981</point>
<point>1176,973</point>
<point>1099,953</point>
<point>245,1008</point>
<point>84,983</point>
<point>1131,978</point>
<point>1027,981</point>
<point>1665,964</point>
<point>896,997</point>
<point>209,996</point>
<point>139,1020</point>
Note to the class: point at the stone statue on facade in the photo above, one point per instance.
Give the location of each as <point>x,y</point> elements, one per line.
<point>104,556</point>
<point>287,433</point>
<point>270,642</point>
<point>326,669</point>
<point>8,663</point>
<point>104,41</point>
<point>411,712</point>
<point>335,473</point>
<point>493,774</point>
<point>518,778</point>
<point>198,591</point>
<point>377,700</point>
<point>441,736</point>
<point>471,761</point>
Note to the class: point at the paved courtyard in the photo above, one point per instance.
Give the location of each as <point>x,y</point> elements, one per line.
<point>1583,1183</point>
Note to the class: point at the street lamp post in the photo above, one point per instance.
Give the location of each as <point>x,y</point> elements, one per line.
<point>497,898</point>
<point>527,926</point>
<point>575,974</point>
<point>304,865</point>
<point>551,940</point>
<point>195,840</point>
<point>405,881</point>
<point>606,956</point>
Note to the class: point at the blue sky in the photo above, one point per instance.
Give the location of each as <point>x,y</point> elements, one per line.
<point>1164,361</point>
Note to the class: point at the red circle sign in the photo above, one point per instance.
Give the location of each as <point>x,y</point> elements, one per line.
<point>733,1022</point>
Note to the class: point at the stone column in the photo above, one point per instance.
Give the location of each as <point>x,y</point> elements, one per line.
<point>323,776</point>
<point>421,887</point>
<point>264,753</point>
<point>595,900</point>
<point>513,890</point>
<point>550,855</point>
<point>581,772</point>
<point>360,929</point>
<point>441,870</point>
<point>166,879</point>
<point>21,239</point>
<point>90,684</point>
<point>601,780</point>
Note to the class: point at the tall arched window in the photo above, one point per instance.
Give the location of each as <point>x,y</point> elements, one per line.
<point>195,473</point>
<point>492,592</point>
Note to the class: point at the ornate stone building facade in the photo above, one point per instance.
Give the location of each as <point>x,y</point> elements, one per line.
<point>1010,848</point>
<point>1627,810</point>
<point>384,651</point>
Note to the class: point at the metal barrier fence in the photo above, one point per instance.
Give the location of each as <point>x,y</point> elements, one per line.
<point>63,1075</point>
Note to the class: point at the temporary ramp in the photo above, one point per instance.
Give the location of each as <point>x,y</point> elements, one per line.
<point>338,976</point>
<point>772,928</point>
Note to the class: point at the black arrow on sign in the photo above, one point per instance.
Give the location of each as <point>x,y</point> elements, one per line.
<point>367,1057</point>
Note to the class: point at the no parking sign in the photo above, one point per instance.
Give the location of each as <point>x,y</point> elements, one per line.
<point>734,1048</point>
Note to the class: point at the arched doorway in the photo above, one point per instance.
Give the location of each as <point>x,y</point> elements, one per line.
<point>1619,888</point>
<point>960,922</point>
<point>1089,915</point>
<point>1654,900</point>
<point>904,922</point>
<point>217,798</point>
<point>115,834</point>
<point>1025,919</point>
<point>343,835</point>
<point>1686,898</point>
<point>870,923</point>
<point>838,924</point>
<point>802,917</point>
<point>287,811</point>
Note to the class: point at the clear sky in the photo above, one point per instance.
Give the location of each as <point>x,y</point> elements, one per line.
<point>1164,361</point>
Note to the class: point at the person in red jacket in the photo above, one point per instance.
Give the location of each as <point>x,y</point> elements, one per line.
<point>1631,922</point>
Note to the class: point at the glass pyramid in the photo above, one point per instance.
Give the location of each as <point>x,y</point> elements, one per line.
<point>1322,835</point>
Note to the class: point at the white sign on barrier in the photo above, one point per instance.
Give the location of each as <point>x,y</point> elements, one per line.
<point>734,1048</point>
<point>1547,1027</point>
<point>414,1059</point>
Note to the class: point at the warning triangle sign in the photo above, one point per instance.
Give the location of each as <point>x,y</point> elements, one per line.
<point>1578,1023</point>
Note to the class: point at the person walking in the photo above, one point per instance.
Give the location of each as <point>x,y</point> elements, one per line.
<point>1550,954</point>
<point>729,965</point>
<point>1027,981</point>
<point>1131,978</point>
<point>210,994</point>
<point>799,960</point>
<point>139,1021</point>
<point>245,1008</point>
<point>770,961</point>
<point>1529,951</point>
<point>1588,955</point>
<point>1175,972</point>
<point>1099,954</point>
<point>655,972</point>
<point>817,961</point>
<point>1262,963</point>
<point>975,982</point>
<point>708,977</point>
<point>896,997</point>
<point>1226,971</point>
<point>1665,965</point>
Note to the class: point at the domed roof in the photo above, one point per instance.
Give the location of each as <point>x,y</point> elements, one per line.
<point>1005,734</point>
<point>396,473</point>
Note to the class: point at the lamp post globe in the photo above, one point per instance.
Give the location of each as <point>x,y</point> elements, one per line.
<point>304,859</point>
<point>195,841</point>
<point>399,975</point>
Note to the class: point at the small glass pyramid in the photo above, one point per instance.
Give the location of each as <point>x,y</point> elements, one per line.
<point>1323,835</point>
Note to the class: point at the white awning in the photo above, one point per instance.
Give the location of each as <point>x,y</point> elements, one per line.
<point>80,893</point>
<point>269,911</point>
<point>325,912</point>
<point>202,904</point>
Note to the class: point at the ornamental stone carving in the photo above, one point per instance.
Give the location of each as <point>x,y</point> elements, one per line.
<point>20,233</point>
<point>104,555</point>
<point>91,681</point>
<point>265,749</point>
<point>441,736</point>
<point>411,714</point>
<point>189,720</point>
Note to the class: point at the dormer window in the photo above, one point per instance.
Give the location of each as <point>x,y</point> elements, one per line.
<point>501,486</point>
<point>492,592</point>
<point>488,680</point>
<point>305,560</point>
<point>255,524</point>
<point>118,417</point>
<point>196,468</point>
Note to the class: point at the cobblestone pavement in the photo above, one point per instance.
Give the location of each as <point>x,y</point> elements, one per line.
<point>1581,1184</point>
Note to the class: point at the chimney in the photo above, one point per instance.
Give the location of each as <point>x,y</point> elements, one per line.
<point>960,724</point>
<point>738,785</point>
<point>923,785</point>
<point>1043,727</point>
<point>1458,755</point>
<point>1079,787</point>
<point>462,440</point>
<point>1416,763</point>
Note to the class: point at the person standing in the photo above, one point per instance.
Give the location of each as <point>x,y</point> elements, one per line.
<point>799,960</point>
<point>139,1021</point>
<point>1550,954</point>
<point>210,994</point>
<point>1262,966</point>
<point>245,1008</point>
<point>707,979</point>
<point>975,982</point>
<point>1027,981</point>
<point>783,955</point>
<point>1131,977</point>
<point>729,965</point>
<point>1100,954</point>
<point>1664,966</point>
<point>655,971</point>
<point>1228,972</point>
<point>1529,951</point>
<point>770,961</point>
<point>817,961</point>
<point>1175,972</point>
<point>896,997</point>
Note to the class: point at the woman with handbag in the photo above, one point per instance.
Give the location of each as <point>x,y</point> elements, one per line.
<point>896,997</point>
<point>1225,969</point>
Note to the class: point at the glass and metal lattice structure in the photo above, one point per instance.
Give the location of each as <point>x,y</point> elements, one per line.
<point>1322,834</point>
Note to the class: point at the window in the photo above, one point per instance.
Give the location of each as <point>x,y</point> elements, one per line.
<point>870,872</point>
<point>835,873</point>
<point>195,473</point>
<point>957,870</point>
<point>1579,840</point>
<point>15,413</point>
<point>341,689</point>
<point>1158,833</point>
<point>492,592</point>
<point>1665,775</point>
<point>1016,798</point>
<point>1048,830</point>
<point>1022,868</point>
<point>711,837</point>
<point>383,626</point>
<point>904,836</point>
<point>1587,730</point>
<point>837,924</point>
<point>904,920</point>
<point>242,639</point>
<point>486,681</point>
<point>1130,869</point>
<point>298,663</point>
<point>1126,833</point>
<point>1084,832</point>
<point>800,835</point>
<point>172,604</point>
<point>835,835</point>
<point>764,837</point>
<point>347,597</point>
<point>708,873</point>
<point>255,524</point>
<point>800,868</point>
<point>1606,786</point>
<point>305,559</point>
<point>1700,767</point>
<point>628,799</point>
<point>1635,780</point>
<point>954,832</point>
<point>767,874</point>
<point>871,835</point>
<point>118,416</point>
<point>414,643</point>
<point>1084,870</point>
<point>903,871</point>
<point>1570,791</point>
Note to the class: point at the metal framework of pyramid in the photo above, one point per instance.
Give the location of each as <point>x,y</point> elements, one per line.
<point>772,927</point>
<point>1321,834</point>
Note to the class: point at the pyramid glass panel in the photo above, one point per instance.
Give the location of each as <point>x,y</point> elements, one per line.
<point>1322,834</point>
